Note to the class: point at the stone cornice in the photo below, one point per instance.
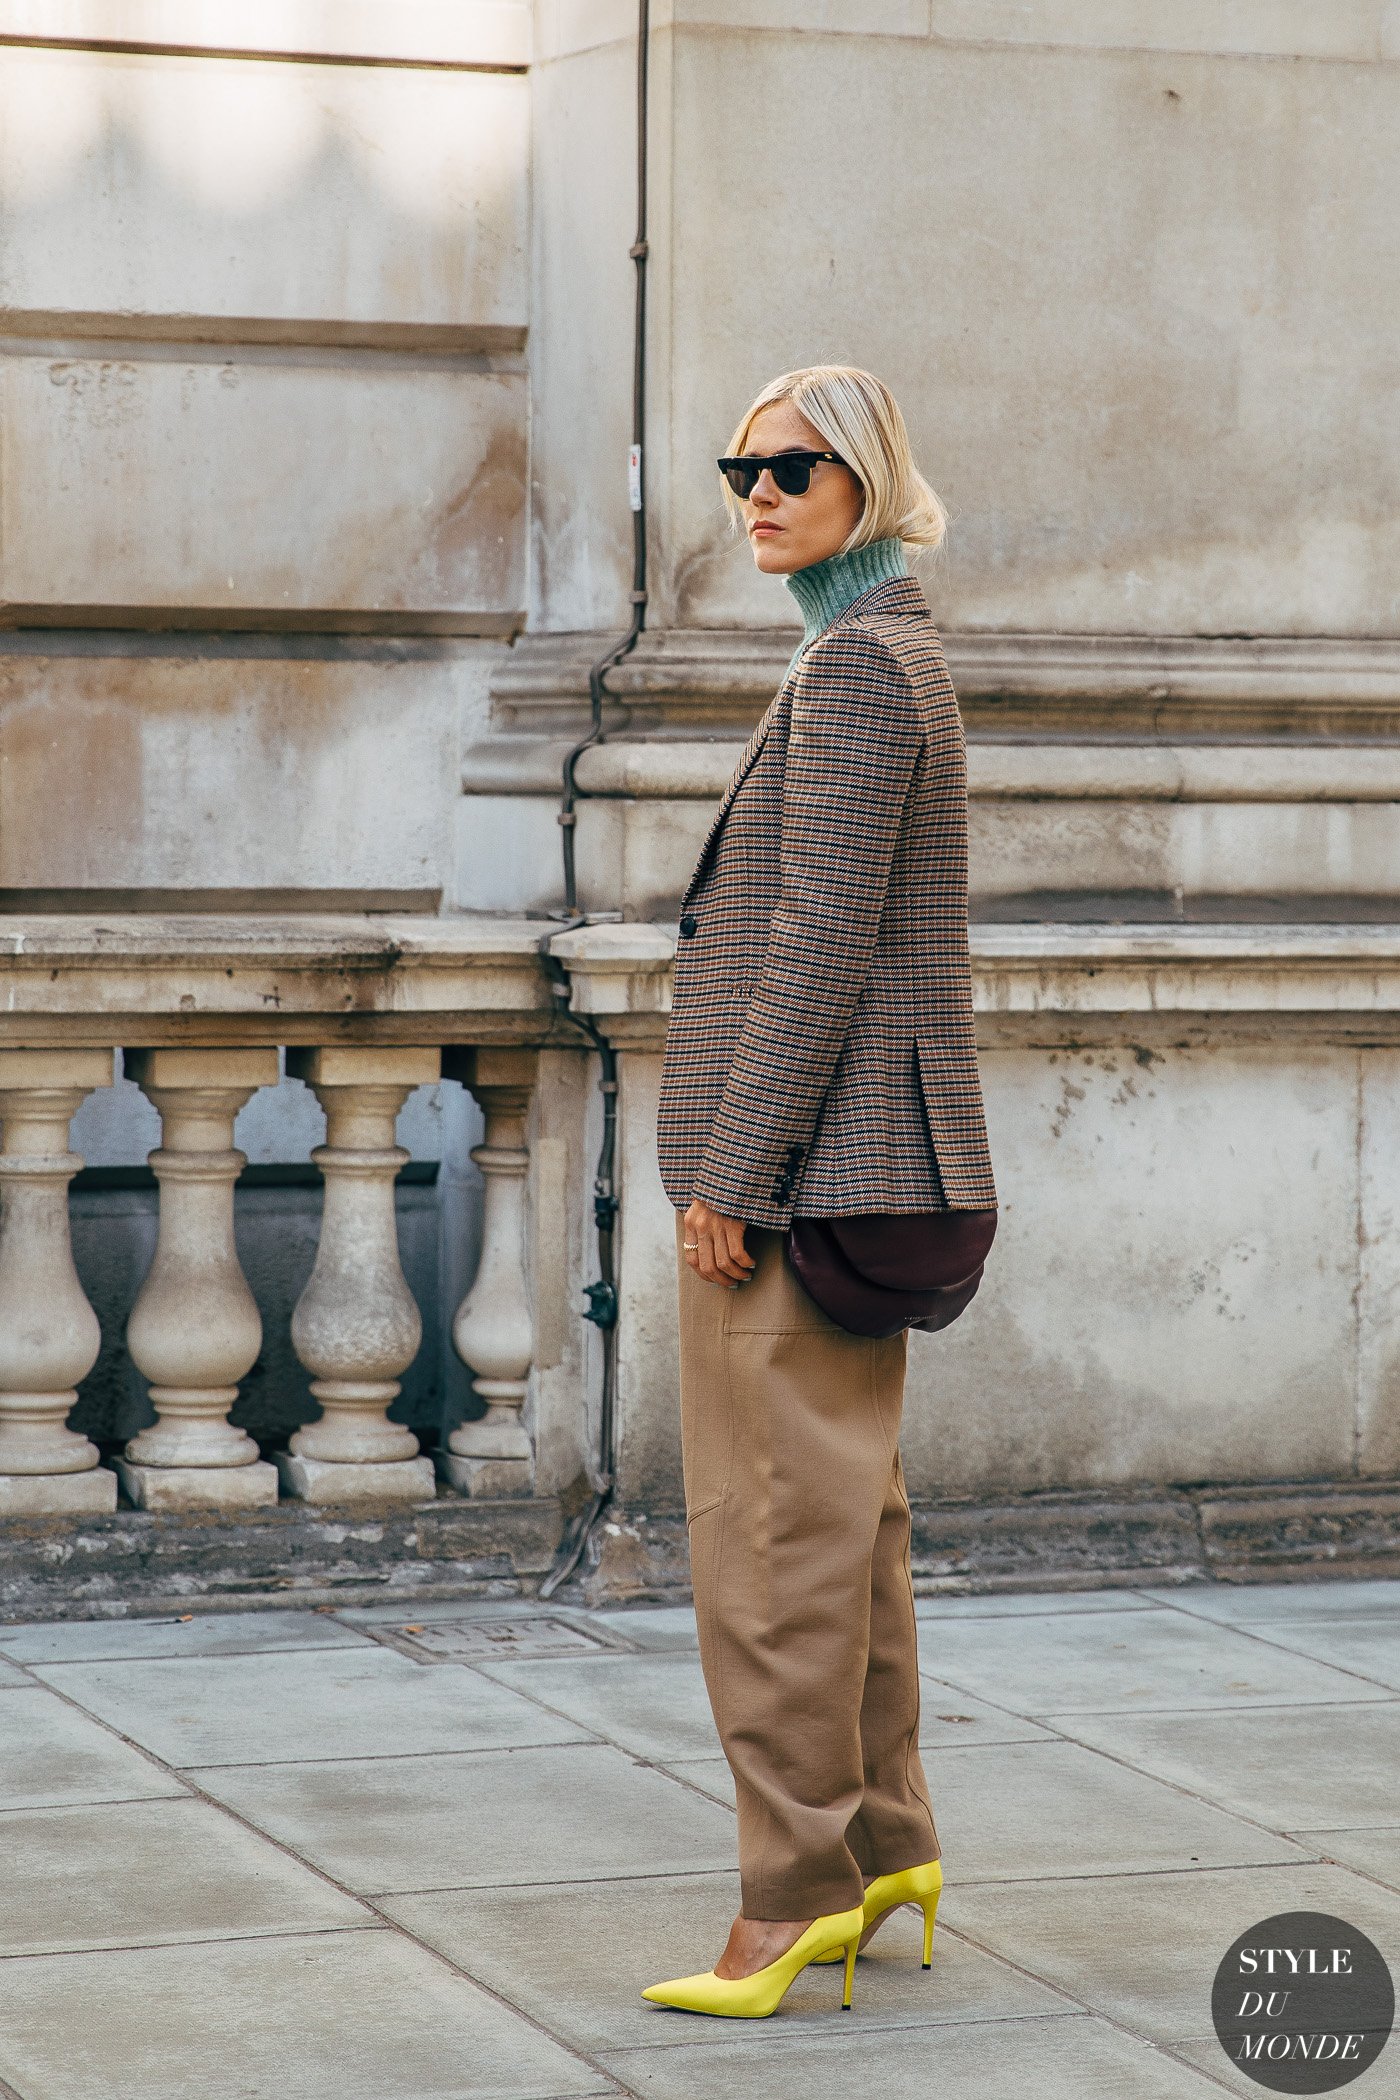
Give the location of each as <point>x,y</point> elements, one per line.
<point>722,678</point>
<point>1031,769</point>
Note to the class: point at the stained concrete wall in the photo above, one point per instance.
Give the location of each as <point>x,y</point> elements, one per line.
<point>262,320</point>
<point>1196,1277</point>
<point>1134,273</point>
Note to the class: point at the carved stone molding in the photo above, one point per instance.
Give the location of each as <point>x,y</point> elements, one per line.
<point>1240,685</point>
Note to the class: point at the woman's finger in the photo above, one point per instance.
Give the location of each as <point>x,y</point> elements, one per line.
<point>705,1259</point>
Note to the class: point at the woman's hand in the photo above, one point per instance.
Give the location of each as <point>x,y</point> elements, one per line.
<point>714,1246</point>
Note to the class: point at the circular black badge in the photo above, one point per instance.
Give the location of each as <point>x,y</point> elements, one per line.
<point>1303,2002</point>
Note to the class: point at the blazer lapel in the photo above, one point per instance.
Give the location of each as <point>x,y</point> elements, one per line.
<point>897,594</point>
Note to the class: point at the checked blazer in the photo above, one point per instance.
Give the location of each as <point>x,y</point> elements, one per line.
<point>820,1059</point>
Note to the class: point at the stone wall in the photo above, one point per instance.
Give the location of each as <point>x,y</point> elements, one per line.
<point>263,303</point>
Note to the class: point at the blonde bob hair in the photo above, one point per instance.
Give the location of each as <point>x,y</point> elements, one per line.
<point>856,415</point>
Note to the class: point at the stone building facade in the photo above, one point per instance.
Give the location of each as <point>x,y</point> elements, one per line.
<point>315,361</point>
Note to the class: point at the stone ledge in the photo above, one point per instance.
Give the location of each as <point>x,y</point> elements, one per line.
<point>490,34</point>
<point>139,1561</point>
<point>1023,769</point>
<point>1085,1539</point>
<point>134,1562</point>
<point>122,982</point>
<point>1163,685</point>
<point>306,978</point>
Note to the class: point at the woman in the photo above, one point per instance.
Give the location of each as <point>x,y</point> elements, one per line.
<point>820,1063</point>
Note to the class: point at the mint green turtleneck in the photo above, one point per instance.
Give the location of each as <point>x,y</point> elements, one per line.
<point>828,587</point>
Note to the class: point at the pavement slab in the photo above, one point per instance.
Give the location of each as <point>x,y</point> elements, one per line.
<point>575,1957</point>
<point>110,1875</point>
<point>1030,1604</point>
<point>1250,1603</point>
<point>1154,1661</point>
<point>458,1822</point>
<point>1071,2057</point>
<point>950,1716</point>
<point>1294,1768</point>
<point>50,1755</point>
<point>1370,1647</point>
<point>651,1626</point>
<point>360,1702</point>
<point>1144,1948</point>
<point>654,1705</point>
<point>330,2016</point>
<point>1020,1811</point>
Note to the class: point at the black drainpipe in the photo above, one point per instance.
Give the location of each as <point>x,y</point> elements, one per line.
<point>602,1297</point>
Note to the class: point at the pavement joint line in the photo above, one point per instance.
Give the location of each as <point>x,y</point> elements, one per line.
<point>198,1939</point>
<point>491,1888</point>
<point>494,1888</point>
<point>1347,1866</point>
<point>391,1757</point>
<point>1173,2050</point>
<point>1251,1706</point>
<point>733,2043</point>
<point>653,1764</point>
<point>1281,1647</point>
<point>44,1808</point>
<point>1302,1587</point>
<point>791,2037</point>
<point>77,1662</point>
<point>1224,1866</point>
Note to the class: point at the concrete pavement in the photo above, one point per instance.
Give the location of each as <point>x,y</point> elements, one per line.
<point>434,1855</point>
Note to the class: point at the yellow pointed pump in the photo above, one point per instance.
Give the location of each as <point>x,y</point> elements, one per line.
<point>921,1885</point>
<point>754,1997</point>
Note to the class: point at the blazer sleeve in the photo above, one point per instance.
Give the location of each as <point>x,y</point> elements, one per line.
<point>854,740</point>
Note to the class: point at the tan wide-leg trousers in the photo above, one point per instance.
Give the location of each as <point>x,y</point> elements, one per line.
<point>799,1552</point>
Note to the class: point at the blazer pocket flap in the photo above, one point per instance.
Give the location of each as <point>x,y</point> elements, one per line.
<point>957,1125</point>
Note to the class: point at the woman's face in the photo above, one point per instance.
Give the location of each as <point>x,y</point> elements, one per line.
<point>791,532</point>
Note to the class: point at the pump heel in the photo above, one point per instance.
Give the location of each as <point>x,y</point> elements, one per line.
<point>922,1885</point>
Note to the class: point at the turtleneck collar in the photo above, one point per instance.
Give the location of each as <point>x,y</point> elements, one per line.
<point>826,588</point>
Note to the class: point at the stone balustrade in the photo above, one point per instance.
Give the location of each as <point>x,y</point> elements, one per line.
<point>1116,1059</point>
<point>366,1012</point>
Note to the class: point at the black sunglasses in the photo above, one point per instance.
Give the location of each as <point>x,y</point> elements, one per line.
<point>792,471</point>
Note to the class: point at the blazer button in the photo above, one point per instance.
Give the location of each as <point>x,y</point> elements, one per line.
<point>688,925</point>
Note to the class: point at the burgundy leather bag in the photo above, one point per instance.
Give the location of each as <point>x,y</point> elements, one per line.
<point>876,1274</point>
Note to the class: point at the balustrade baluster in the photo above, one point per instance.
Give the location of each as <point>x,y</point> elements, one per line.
<point>356,1327</point>
<point>49,1335</point>
<point>195,1330</point>
<point>493,1331</point>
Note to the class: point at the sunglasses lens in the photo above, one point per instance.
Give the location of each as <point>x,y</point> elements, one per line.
<point>793,476</point>
<point>741,479</point>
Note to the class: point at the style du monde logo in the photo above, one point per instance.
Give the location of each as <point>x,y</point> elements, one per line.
<point>1303,2002</point>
